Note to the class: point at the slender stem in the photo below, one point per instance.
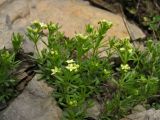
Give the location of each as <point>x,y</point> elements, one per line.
<point>45,43</point>
<point>37,50</point>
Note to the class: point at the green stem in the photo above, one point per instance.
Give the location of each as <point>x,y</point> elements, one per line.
<point>37,50</point>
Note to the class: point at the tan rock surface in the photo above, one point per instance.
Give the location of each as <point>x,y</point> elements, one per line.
<point>73,15</point>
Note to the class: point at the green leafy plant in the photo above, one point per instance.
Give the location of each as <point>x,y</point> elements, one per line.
<point>7,80</point>
<point>17,41</point>
<point>65,64</point>
<point>138,79</point>
<point>74,67</point>
<point>154,25</point>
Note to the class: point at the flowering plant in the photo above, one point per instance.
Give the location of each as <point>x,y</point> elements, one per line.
<point>124,77</point>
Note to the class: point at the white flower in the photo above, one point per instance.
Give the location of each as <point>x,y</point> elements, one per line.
<point>33,30</point>
<point>54,52</point>
<point>70,61</point>
<point>125,67</point>
<point>43,25</point>
<point>81,36</point>
<point>73,102</point>
<point>122,49</point>
<point>130,50</point>
<point>106,22</point>
<point>55,70</point>
<point>72,67</point>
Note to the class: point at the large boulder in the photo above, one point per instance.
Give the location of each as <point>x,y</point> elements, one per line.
<point>73,15</point>
<point>34,103</point>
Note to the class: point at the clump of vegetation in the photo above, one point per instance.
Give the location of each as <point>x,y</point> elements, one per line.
<point>73,66</point>
<point>142,11</point>
<point>154,26</point>
<point>138,77</point>
<point>7,80</point>
<point>8,64</point>
<point>146,13</point>
<point>65,65</point>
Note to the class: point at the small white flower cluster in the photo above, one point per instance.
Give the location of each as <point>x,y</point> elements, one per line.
<point>127,46</point>
<point>42,25</point>
<point>125,67</point>
<point>81,36</point>
<point>72,66</point>
<point>106,22</point>
<point>34,30</point>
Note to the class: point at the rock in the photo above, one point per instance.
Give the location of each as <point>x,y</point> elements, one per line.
<point>10,14</point>
<point>150,114</point>
<point>2,2</point>
<point>139,45</point>
<point>6,39</point>
<point>134,31</point>
<point>94,111</point>
<point>72,15</point>
<point>17,9</point>
<point>138,108</point>
<point>28,46</point>
<point>104,5</point>
<point>34,103</point>
<point>3,105</point>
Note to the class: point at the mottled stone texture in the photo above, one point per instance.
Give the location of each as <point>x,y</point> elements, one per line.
<point>35,103</point>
